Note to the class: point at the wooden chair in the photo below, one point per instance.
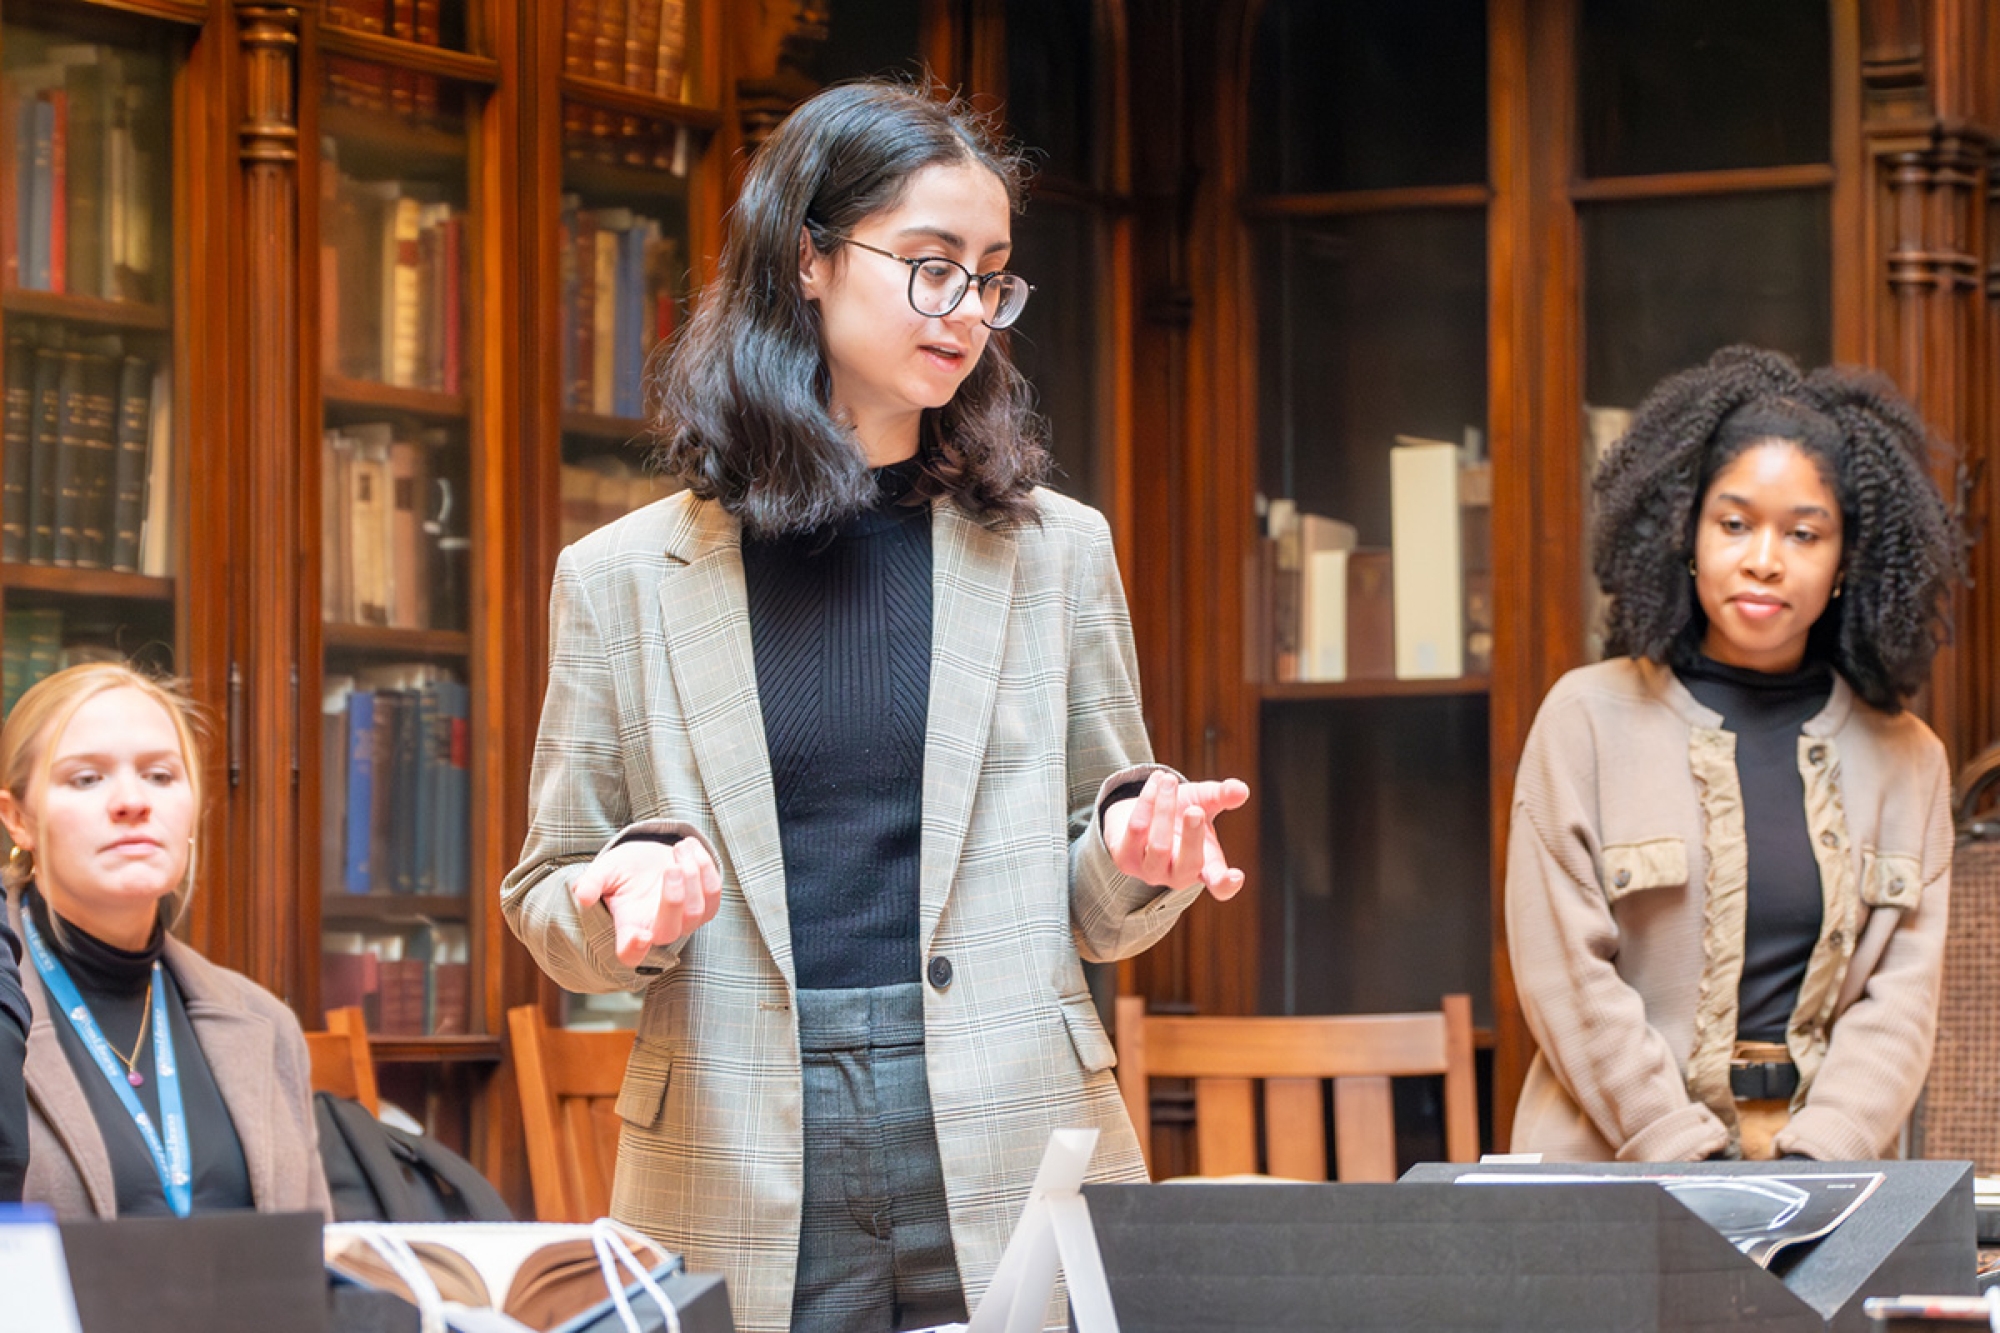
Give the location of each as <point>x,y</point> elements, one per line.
<point>569,1091</point>
<point>1360,1054</point>
<point>341,1061</point>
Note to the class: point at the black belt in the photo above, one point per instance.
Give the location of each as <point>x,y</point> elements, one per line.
<point>1761,1081</point>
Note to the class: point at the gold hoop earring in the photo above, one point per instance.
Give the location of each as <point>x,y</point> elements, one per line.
<point>1840,585</point>
<point>20,861</point>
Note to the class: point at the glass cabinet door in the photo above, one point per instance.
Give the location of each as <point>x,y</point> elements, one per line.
<point>397,465</point>
<point>1370,592</point>
<point>92,457</point>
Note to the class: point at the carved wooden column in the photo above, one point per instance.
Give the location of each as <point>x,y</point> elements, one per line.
<point>1928,135</point>
<point>263,730</point>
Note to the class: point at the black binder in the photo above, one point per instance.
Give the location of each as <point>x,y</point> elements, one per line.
<point>215,1273</point>
<point>1429,1255</point>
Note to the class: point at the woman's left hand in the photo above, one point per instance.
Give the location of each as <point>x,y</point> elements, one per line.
<point>1166,834</point>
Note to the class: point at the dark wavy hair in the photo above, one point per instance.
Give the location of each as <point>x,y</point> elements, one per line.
<point>741,397</point>
<point>1902,546</point>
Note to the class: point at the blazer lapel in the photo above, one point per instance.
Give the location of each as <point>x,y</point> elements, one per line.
<point>237,1045</point>
<point>53,1085</point>
<point>972,582</point>
<point>705,614</point>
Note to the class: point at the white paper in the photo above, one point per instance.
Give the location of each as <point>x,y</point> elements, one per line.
<point>33,1275</point>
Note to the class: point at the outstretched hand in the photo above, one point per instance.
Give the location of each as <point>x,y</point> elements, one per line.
<point>1166,834</point>
<point>657,893</point>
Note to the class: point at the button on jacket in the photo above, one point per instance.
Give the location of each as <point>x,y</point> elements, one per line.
<point>1627,878</point>
<point>652,724</point>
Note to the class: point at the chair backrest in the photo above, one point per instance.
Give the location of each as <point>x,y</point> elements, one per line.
<point>1227,1057</point>
<point>569,1091</point>
<point>341,1061</point>
<point>1956,1118</point>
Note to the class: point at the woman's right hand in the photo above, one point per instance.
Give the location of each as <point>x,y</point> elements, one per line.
<point>657,893</point>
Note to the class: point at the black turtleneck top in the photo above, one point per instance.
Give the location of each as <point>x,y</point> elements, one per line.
<point>1766,710</point>
<point>840,630</point>
<point>112,981</point>
<point>13,1053</point>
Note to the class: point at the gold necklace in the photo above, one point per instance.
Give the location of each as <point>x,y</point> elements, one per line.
<point>131,1062</point>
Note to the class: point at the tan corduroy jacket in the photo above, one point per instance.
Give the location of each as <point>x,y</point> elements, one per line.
<point>257,1053</point>
<point>652,721</point>
<point>1627,878</point>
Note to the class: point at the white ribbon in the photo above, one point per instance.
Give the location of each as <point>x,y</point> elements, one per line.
<point>608,1239</point>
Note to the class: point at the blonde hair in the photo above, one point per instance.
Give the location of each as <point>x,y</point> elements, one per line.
<point>43,713</point>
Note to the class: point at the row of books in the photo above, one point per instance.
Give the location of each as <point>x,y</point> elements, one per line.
<point>409,978</point>
<point>84,454</point>
<point>392,281</point>
<point>628,141</point>
<point>373,87</point>
<point>1326,608</point>
<point>33,645</point>
<point>394,550</point>
<point>602,489</point>
<point>639,44</point>
<point>619,272</point>
<point>82,186</point>
<point>396,761</point>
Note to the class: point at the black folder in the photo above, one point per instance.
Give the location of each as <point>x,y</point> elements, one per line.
<point>216,1273</point>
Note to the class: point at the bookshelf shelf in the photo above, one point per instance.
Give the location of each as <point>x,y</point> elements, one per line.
<point>171,11</point>
<point>381,641</point>
<point>1685,184</point>
<point>436,1050</point>
<point>416,56</point>
<point>380,144</point>
<point>605,96</point>
<point>626,432</point>
<point>1309,690</point>
<point>344,395</point>
<point>1340,203</point>
<point>590,176</point>
<point>127,316</point>
<point>395,907</point>
<point>56,580</point>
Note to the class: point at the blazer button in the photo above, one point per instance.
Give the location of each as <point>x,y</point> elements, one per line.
<point>1836,939</point>
<point>1895,888</point>
<point>1830,838</point>
<point>1817,754</point>
<point>940,972</point>
<point>1622,879</point>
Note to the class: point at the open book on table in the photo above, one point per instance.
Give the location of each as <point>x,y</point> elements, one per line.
<point>1758,1214</point>
<point>539,1273</point>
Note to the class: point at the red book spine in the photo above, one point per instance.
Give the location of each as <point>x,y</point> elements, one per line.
<point>10,186</point>
<point>58,196</point>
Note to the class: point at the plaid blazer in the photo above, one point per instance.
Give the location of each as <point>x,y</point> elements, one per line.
<point>652,722</point>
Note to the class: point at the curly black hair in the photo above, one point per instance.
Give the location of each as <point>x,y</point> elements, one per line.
<point>1902,545</point>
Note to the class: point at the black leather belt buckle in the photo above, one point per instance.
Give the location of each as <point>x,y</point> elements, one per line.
<point>1764,1081</point>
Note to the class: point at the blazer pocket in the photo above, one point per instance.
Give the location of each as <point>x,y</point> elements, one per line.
<point>643,1095</point>
<point>1086,1033</point>
<point>1656,863</point>
<point>1889,880</point>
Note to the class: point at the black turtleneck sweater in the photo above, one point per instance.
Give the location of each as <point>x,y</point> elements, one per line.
<point>1765,710</point>
<point>112,982</point>
<point>840,628</point>
<point>13,1052</point>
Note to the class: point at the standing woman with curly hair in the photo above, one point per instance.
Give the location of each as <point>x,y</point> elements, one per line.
<point>841,765</point>
<point>1731,843</point>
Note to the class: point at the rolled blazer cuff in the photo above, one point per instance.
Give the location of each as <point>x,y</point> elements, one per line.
<point>1111,789</point>
<point>1686,1134</point>
<point>669,831</point>
<point>1822,1133</point>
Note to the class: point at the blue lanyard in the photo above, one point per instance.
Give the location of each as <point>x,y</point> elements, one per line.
<point>174,1161</point>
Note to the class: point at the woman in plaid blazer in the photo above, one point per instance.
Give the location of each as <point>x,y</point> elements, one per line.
<point>841,764</point>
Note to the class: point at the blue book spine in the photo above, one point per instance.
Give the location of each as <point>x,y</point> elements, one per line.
<point>38,200</point>
<point>631,318</point>
<point>360,789</point>
<point>455,789</point>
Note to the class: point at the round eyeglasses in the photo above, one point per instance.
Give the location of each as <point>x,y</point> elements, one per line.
<point>937,285</point>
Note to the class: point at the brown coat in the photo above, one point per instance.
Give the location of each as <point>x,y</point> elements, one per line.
<point>257,1053</point>
<point>1627,878</point>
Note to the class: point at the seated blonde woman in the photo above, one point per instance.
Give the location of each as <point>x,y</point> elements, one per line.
<point>158,1083</point>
